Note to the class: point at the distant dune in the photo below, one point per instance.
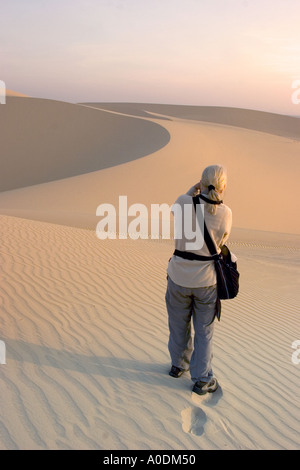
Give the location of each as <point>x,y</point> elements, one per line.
<point>66,159</point>
<point>277,124</point>
<point>45,140</point>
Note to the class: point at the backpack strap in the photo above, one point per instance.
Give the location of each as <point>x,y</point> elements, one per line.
<point>207,238</point>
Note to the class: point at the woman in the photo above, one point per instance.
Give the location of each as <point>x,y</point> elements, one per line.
<point>192,291</point>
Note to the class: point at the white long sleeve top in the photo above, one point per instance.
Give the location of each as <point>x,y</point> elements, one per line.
<point>194,273</point>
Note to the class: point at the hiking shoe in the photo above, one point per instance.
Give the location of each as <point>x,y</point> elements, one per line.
<point>176,372</point>
<point>206,387</point>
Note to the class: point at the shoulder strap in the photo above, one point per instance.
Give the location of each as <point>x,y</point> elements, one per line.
<point>208,240</point>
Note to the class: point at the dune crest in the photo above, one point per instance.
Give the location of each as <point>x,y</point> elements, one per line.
<point>15,93</point>
<point>270,123</point>
<point>46,140</point>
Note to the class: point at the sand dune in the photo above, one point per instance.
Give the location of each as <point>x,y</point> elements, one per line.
<point>84,320</point>
<point>263,169</point>
<point>271,123</point>
<point>87,358</point>
<point>45,140</point>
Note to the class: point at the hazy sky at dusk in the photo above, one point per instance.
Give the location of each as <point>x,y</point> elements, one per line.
<point>200,52</point>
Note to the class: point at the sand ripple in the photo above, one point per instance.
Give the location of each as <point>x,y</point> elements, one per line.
<point>86,333</point>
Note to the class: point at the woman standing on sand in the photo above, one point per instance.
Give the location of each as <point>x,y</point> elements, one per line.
<point>192,290</point>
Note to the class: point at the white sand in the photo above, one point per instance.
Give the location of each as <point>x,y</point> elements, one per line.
<point>84,320</point>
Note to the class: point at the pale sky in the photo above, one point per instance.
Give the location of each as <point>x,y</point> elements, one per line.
<point>240,53</point>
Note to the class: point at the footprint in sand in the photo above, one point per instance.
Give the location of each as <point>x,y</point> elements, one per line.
<point>193,420</point>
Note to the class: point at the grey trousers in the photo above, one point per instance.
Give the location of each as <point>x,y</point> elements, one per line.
<point>183,305</point>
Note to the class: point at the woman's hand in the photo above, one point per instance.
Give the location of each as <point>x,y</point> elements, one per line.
<point>194,190</point>
<point>197,186</point>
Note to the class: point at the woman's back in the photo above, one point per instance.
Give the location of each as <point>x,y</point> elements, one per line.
<point>218,219</point>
